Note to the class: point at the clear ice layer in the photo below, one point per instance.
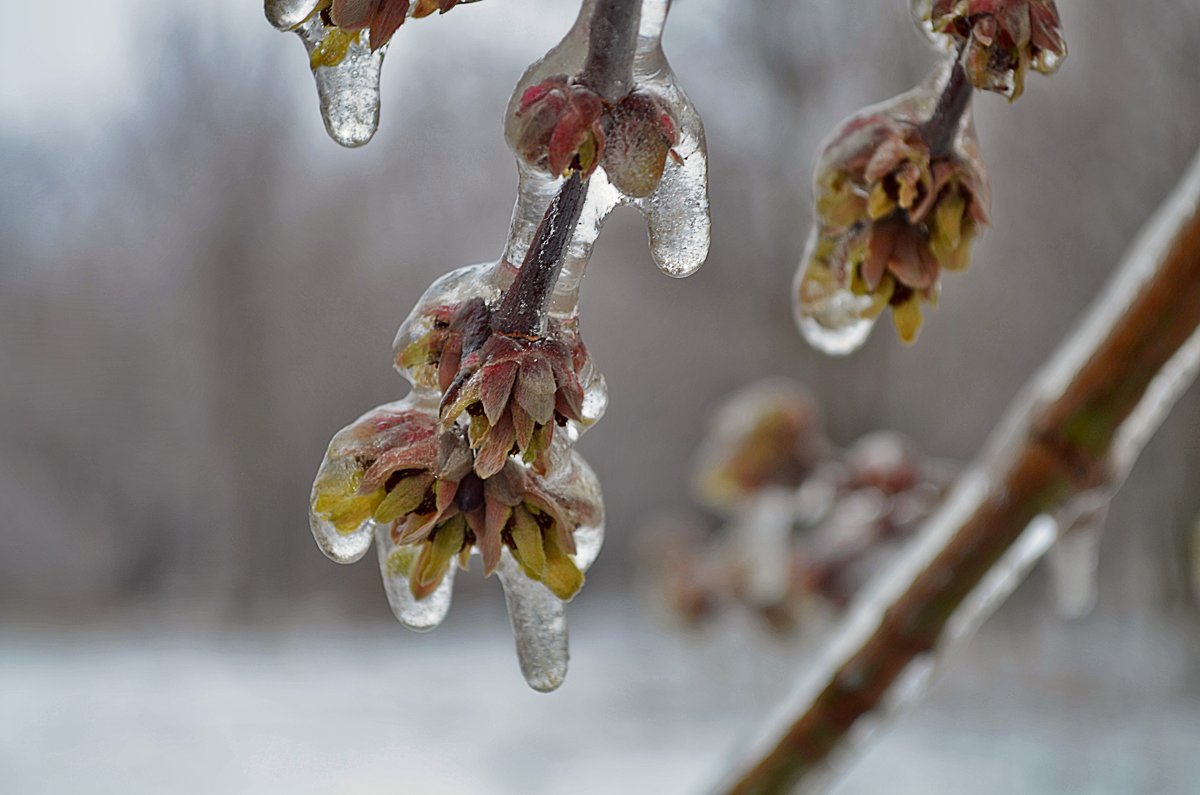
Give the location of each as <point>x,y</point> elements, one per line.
<point>677,211</point>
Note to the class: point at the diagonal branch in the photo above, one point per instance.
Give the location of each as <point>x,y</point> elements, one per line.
<point>1073,435</point>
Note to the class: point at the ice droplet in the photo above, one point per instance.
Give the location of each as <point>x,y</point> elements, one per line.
<point>287,14</point>
<point>419,614</point>
<point>349,91</point>
<point>339,547</point>
<point>677,212</point>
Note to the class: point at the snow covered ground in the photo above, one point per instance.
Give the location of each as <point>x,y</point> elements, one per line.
<point>134,708</point>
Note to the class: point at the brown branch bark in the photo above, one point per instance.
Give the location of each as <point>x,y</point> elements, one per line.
<point>1058,444</point>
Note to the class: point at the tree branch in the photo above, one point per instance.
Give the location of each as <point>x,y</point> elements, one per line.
<point>612,42</point>
<point>1073,434</point>
<point>942,127</point>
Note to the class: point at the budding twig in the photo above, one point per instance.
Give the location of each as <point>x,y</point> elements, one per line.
<point>608,69</point>
<point>1089,413</point>
<point>524,304</point>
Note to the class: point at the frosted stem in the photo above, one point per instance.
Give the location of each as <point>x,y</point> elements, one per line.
<point>942,127</point>
<point>524,306</point>
<point>612,42</point>
<point>1075,431</point>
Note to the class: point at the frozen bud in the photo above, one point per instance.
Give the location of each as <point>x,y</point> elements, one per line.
<point>396,470</point>
<point>768,435</point>
<point>1003,39</point>
<point>381,18</point>
<point>515,390</point>
<point>433,360</point>
<point>559,126</point>
<point>892,214</point>
<point>639,135</point>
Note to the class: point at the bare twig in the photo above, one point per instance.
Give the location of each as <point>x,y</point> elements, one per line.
<point>1073,435</point>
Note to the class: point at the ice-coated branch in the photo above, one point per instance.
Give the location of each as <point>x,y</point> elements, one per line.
<point>607,69</point>
<point>612,43</point>
<point>942,127</point>
<point>524,305</point>
<point>1068,441</point>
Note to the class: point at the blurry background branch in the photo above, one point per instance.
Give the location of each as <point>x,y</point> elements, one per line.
<point>1062,452</point>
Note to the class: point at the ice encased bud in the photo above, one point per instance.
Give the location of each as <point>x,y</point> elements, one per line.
<point>487,281</point>
<point>677,211</point>
<point>834,309</point>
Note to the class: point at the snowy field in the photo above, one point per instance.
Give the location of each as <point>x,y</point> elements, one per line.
<point>367,709</point>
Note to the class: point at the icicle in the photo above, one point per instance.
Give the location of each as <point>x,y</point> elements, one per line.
<point>1196,562</point>
<point>538,617</point>
<point>539,627</point>
<point>394,564</point>
<point>677,211</point>
<point>1074,565</point>
<point>349,90</point>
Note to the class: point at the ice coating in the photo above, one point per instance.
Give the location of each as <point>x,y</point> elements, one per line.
<point>537,612</point>
<point>677,211</point>
<point>920,10</point>
<point>831,315</point>
<point>394,562</point>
